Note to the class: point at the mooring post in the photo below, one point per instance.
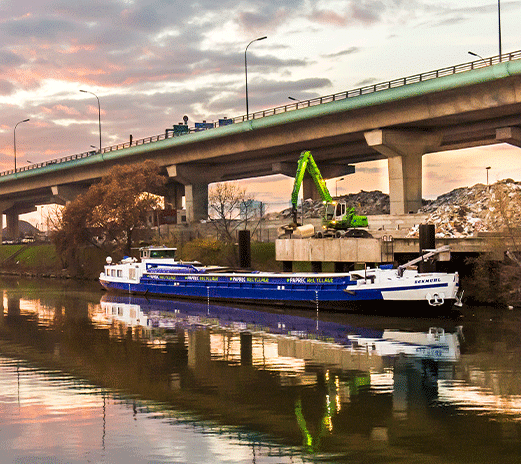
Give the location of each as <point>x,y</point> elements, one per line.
<point>244,249</point>
<point>427,242</point>
<point>287,266</point>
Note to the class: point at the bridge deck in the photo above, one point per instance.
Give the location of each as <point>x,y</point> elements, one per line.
<point>417,84</point>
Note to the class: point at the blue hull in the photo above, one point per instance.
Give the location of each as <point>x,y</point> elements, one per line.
<point>308,292</point>
<point>159,273</point>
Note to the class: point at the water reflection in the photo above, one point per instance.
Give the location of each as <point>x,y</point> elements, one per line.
<point>271,382</point>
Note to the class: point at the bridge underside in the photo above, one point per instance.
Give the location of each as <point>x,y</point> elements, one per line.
<point>399,125</point>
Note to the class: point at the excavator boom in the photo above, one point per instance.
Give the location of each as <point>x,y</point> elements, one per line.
<point>307,163</point>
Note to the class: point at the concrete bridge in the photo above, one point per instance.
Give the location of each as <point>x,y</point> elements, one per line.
<point>471,104</point>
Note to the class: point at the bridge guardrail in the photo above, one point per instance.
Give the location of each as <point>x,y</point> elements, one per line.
<point>414,79</point>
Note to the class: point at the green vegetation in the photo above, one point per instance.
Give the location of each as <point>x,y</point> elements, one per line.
<point>42,259</point>
<point>29,258</point>
<point>8,251</point>
<point>212,251</point>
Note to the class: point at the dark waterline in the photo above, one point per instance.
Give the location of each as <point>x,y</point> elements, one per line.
<point>89,377</point>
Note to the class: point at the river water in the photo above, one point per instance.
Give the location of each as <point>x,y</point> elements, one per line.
<point>87,377</point>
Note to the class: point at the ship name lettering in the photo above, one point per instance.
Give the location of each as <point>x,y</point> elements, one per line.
<point>427,281</point>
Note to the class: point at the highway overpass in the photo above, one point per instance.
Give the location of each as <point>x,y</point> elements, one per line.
<point>467,105</point>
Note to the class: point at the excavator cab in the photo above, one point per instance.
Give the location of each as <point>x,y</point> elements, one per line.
<point>339,216</point>
<point>334,211</point>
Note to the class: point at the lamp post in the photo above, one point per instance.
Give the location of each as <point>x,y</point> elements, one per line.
<point>499,25</point>
<point>336,186</point>
<point>99,115</point>
<point>246,73</point>
<point>14,140</point>
<point>488,169</point>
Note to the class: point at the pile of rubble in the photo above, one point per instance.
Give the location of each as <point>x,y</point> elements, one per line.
<point>365,203</point>
<point>466,211</point>
<point>463,212</point>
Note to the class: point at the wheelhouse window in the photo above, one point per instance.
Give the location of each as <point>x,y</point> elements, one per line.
<point>158,253</point>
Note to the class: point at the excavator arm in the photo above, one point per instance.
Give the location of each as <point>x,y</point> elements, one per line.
<point>307,163</point>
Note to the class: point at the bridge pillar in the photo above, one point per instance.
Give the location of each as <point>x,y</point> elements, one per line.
<point>404,151</point>
<point>12,213</point>
<point>174,195</point>
<point>195,181</point>
<point>196,199</point>
<point>12,226</point>
<point>5,206</point>
<point>309,190</point>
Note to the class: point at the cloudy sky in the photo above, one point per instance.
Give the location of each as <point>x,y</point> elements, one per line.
<point>152,61</point>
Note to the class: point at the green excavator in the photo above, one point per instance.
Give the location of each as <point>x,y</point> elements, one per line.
<point>339,219</point>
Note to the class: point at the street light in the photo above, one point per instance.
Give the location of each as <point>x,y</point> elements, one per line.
<point>478,56</point>
<point>499,25</point>
<point>14,140</point>
<point>246,72</point>
<point>487,168</point>
<point>99,115</point>
<point>336,186</point>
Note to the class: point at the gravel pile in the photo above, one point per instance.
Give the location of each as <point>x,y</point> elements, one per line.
<point>467,211</point>
<point>365,203</point>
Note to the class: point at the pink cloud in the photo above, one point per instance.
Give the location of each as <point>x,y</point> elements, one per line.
<point>328,17</point>
<point>61,109</point>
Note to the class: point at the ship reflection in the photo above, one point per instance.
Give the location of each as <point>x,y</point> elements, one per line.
<point>156,316</point>
<point>329,366</point>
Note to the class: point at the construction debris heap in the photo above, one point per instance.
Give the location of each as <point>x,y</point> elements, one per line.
<point>467,211</point>
<point>463,212</point>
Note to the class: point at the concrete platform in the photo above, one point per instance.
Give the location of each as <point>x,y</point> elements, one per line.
<point>374,250</point>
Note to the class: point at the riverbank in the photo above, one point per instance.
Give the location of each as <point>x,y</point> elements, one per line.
<point>41,259</point>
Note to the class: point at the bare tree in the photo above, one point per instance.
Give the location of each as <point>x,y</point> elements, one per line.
<point>230,208</point>
<point>507,213</point>
<point>224,200</point>
<point>497,273</point>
